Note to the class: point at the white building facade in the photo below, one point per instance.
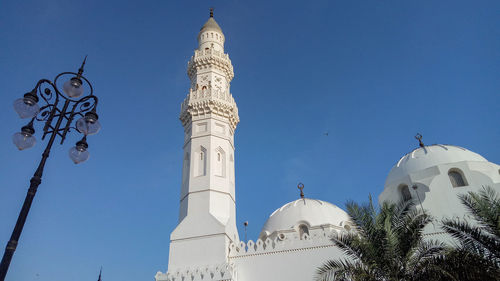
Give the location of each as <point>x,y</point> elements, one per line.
<point>295,240</point>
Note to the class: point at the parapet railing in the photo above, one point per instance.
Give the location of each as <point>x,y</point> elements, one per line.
<point>319,238</point>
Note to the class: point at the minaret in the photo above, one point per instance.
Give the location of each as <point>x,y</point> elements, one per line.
<point>207,216</point>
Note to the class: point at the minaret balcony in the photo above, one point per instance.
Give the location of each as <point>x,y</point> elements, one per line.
<point>209,101</point>
<point>207,58</point>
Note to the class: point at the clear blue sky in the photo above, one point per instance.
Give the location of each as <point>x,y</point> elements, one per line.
<point>371,73</point>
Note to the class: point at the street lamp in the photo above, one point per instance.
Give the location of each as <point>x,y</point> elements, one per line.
<point>58,114</point>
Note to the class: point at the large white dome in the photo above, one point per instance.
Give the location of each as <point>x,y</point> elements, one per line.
<point>429,156</point>
<point>305,211</point>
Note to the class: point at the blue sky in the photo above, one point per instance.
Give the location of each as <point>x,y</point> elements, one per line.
<point>370,73</point>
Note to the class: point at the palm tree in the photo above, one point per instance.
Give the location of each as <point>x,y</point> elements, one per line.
<point>478,247</point>
<point>385,245</point>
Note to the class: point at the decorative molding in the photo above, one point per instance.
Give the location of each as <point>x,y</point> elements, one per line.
<point>209,101</point>
<point>208,189</point>
<point>317,239</point>
<point>210,58</point>
<point>201,236</point>
<point>220,272</point>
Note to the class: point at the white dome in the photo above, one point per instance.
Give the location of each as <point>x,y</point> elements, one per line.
<point>429,156</point>
<point>309,211</point>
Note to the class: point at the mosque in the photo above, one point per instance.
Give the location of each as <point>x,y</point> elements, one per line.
<point>295,240</point>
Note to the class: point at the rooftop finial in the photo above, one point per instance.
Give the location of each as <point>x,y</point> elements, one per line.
<point>211,12</point>
<point>245,224</point>
<point>80,71</point>
<point>301,187</point>
<point>419,138</point>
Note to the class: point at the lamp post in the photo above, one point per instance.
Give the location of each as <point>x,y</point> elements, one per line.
<point>58,114</point>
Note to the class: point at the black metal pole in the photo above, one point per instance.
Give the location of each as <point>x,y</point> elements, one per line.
<point>34,183</point>
<point>418,196</point>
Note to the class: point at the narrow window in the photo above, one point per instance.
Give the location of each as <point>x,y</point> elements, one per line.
<point>231,168</point>
<point>185,170</point>
<point>220,165</point>
<point>200,166</point>
<point>456,178</point>
<point>405,192</point>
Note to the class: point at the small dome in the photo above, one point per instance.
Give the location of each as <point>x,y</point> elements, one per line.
<point>210,25</point>
<point>429,156</point>
<point>309,211</point>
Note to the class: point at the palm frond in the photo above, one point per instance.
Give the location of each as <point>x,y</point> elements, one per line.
<point>410,233</point>
<point>484,206</point>
<point>473,238</point>
<point>426,250</point>
<point>346,243</point>
<point>460,264</point>
<point>345,270</point>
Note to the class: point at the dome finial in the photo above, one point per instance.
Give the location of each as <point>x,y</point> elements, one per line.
<point>419,138</point>
<point>211,12</point>
<point>301,187</point>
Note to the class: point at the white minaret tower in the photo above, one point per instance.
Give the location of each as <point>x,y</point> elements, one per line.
<point>207,216</point>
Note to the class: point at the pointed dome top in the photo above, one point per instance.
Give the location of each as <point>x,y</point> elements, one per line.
<point>211,24</point>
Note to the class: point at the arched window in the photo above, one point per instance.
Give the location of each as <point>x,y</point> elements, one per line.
<point>405,192</point>
<point>456,177</point>
<point>220,164</point>
<point>303,229</point>
<point>200,165</point>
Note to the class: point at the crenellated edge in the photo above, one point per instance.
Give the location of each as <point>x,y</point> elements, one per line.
<point>320,238</point>
<point>219,272</point>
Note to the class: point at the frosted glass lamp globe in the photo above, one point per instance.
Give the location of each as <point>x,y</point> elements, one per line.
<point>25,138</point>
<point>89,124</point>
<point>26,107</point>
<point>73,87</point>
<point>79,152</point>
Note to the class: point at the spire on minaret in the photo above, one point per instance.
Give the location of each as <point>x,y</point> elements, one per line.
<point>211,35</point>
